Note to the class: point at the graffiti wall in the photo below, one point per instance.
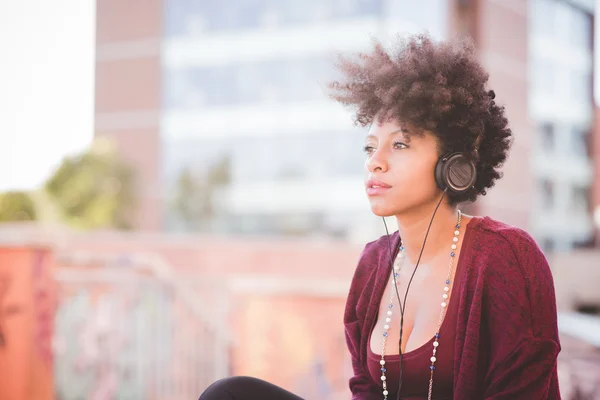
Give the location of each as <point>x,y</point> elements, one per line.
<point>27,305</point>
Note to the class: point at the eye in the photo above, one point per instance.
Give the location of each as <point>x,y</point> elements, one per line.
<point>368,149</point>
<point>400,145</point>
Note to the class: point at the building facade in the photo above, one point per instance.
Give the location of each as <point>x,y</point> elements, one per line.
<point>224,111</point>
<point>246,88</point>
<point>561,104</point>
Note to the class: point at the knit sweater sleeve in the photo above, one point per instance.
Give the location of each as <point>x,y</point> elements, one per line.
<point>361,384</point>
<point>521,320</point>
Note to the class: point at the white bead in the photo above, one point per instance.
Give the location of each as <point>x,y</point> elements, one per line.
<point>455,239</point>
<point>383,378</point>
<point>433,359</point>
<point>446,289</point>
<point>385,392</point>
<point>444,304</point>
<point>456,232</point>
<point>445,296</point>
<point>388,320</point>
<point>401,255</point>
<point>382,362</point>
<point>396,267</point>
<point>386,327</point>
<point>453,247</point>
<point>436,344</point>
<point>389,312</point>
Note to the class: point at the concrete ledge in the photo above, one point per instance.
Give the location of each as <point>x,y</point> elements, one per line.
<point>581,326</point>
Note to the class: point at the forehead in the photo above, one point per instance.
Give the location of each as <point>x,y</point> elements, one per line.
<point>383,129</point>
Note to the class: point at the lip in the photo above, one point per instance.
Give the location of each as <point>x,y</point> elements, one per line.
<point>376,187</point>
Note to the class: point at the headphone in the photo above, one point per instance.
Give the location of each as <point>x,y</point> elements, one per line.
<point>455,172</point>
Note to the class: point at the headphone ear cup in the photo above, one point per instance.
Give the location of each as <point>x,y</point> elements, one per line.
<point>455,172</point>
<point>438,174</point>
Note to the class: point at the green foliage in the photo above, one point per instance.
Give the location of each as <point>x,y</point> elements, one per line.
<point>190,202</point>
<point>94,189</point>
<point>194,201</point>
<point>17,206</point>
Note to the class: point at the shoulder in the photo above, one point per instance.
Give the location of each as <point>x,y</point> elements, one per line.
<point>504,234</point>
<point>515,272</point>
<point>507,245</point>
<point>375,254</point>
<point>373,257</point>
<point>376,251</point>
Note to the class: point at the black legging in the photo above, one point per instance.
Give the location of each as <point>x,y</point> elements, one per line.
<point>245,388</point>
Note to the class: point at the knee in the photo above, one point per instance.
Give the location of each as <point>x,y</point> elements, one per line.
<point>223,389</point>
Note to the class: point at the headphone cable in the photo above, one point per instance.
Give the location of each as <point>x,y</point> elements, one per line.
<point>403,304</point>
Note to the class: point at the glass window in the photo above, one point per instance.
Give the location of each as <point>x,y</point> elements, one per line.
<point>287,157</point>
<point>195,25</point>
<point>580,84</point>
<point>544,76</point>
<point>295,160</point>
<point>354,8</point>
<point>294,11</point>
<point>430,15</point>
<point>547,136</point>
<point>580,28</point>
<point>270,18</point>
<point>174,17</point>
<point>188,17</point>
<point>346,8</point>
<point>547,193</point>
<point>198,155</point>
<point>543,17</point>
<point>247,82</point>
<point>548,245</point>
<point>579,142</point>
<point>269,81</point>
<point>562,21</point>
<point>580,197</point>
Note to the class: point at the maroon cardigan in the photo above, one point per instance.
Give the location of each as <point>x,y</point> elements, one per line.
<point>506,331</point>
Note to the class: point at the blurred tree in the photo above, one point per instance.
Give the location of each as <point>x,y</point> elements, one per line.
<point>189,200</point>
<point>220,173</point>
<point>17,206</point>
<point>94,189</point>
<point>195,196</point>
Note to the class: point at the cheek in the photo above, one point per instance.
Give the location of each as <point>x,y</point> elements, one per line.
<point>416,176</point>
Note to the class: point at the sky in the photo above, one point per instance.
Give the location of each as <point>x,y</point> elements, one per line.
<point>46,86</point>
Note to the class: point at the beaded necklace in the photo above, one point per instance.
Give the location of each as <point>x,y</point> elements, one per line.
<point>444,305</point>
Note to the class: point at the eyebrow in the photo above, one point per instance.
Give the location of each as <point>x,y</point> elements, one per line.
<point>370,135</point>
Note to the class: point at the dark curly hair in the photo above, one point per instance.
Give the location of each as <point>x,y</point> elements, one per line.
<point>434,86</point>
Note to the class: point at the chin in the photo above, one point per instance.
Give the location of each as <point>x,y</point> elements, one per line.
<point>382,210</point>
<point>383,214</point>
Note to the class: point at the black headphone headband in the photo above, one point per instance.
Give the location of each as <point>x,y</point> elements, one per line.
<point>455,172</point>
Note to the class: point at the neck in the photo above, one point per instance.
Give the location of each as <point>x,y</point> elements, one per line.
<point>413,226</point>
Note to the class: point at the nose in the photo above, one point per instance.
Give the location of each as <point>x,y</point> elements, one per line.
<point>377,162</point>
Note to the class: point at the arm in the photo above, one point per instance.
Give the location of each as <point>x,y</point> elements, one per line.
<point>361,384</point>
<point>521,323</point>
<point>527,372</point>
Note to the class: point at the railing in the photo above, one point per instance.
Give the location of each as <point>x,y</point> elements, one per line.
<point>130,328</point>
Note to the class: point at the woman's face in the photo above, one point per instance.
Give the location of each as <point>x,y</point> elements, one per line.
<point>399,169</point>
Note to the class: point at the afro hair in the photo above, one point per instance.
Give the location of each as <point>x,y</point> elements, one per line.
<point>434,86</point>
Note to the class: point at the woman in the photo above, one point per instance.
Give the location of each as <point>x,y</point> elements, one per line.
<point>450,306</point>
